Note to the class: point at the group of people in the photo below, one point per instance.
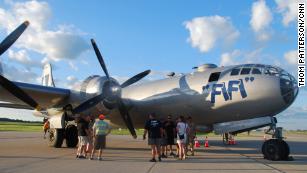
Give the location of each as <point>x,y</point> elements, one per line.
<point>92,136</point>
<point>162,135</point>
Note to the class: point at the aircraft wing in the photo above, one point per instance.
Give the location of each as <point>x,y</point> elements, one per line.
<point>46,96</point>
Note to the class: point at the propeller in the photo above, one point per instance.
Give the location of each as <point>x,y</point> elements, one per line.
<point>18,92</point>
<point>10,39</point>
<point>7,84</point>
<point>135,78</point>
<point>112,93</point>
<point>100,59</point>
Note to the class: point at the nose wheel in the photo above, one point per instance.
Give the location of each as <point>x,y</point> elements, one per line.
<point>276,148</point>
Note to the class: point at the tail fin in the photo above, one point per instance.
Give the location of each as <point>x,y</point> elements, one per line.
<point>47,78</point>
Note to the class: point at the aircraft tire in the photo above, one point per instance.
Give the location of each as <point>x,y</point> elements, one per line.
<point>284,149</point>
<point>56,137</point>
<point>275,149</point>
<point>271,149</point>
<point>71,135</point>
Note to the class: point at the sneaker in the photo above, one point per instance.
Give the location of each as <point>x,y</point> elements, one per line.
<point>100,158</point>
<point>159,159</point>
<point>82,157</point>
<point>152,160</point>
<point>91,158</point>
<point>163,156</point>
<point>77,156</point>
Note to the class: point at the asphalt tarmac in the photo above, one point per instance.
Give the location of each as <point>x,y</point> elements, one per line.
<point>27,152</point>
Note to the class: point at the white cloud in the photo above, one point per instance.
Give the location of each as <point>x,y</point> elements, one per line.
<point>23,57</point>
<point>291,57</point>
<point>246,57</point>
<point>261,20</point>
<point>18,74</point>
<point>73,66</point>
<point>72,82</point>
<point>230,58</point>
<point>206,31</point>
<point>288,9</point>
<point>65,42</point>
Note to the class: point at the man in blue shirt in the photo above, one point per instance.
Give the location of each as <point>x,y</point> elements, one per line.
<point>155,132</point>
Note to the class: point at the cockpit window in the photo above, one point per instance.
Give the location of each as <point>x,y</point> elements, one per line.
<point>235,71</point>
<point>245,70</point>
<point>272,71</point>
<point>214,77</point>
<point>256,71</point>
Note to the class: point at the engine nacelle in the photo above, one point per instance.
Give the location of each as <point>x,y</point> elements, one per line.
<point>93,86</point>
<point>57,121</point>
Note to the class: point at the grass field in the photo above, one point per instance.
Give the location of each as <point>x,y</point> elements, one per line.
<point>38,127</point>
<point>22,127</point>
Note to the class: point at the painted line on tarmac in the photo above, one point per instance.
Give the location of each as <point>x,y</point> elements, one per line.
<point>258,161</point>
<point>151,168</point>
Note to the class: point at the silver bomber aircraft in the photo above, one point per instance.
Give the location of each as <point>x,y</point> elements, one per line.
<point>228,99</point>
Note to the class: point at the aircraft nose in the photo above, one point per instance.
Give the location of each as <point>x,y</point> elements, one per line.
<point>288,87</point>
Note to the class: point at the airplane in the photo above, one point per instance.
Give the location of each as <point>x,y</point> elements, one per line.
<point>226,99</point>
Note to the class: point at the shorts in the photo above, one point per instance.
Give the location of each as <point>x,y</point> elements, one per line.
<point>163,142</point>
<point>170,141</point>
<point>100,142</point>
<point>154,141</point>
<point>182,141</point>
<point>83,140</point>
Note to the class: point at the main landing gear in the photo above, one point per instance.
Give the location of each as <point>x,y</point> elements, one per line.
<point>275,148</point>
<point>57,136</point>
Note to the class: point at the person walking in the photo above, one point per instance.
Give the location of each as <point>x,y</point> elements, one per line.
<point>170,131</point>
<point>155,131</point>
<point>182,130</point>
<point>100,130</point>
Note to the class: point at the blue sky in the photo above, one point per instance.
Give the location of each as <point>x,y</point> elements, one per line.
<point>159,35</point>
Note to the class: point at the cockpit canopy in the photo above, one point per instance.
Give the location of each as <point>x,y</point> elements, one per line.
<point>288,83</point>
<point>259,69</point>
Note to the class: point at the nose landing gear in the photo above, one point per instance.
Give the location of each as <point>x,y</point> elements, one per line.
<point>276,148</point>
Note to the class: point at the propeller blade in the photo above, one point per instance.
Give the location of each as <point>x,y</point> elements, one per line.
<point>135,78</point>
<point>88,104</point>
<point>10,39</point>
<point>18,92</point>
<point>126,118</point>
<point>100,58</point>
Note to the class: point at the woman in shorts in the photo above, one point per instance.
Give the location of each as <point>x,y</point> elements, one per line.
<point>182,130</point>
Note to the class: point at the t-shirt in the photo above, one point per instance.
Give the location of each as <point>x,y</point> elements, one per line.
<point>169,127</point>
<point>182,128</point>
<point>82,126</point>
<point>153,126</point>
<point>101,127</point>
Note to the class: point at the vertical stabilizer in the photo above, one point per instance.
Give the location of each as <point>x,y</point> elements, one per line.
<point>47,78</point>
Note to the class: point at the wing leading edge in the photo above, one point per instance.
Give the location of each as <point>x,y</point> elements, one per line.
<point>47,97</point>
